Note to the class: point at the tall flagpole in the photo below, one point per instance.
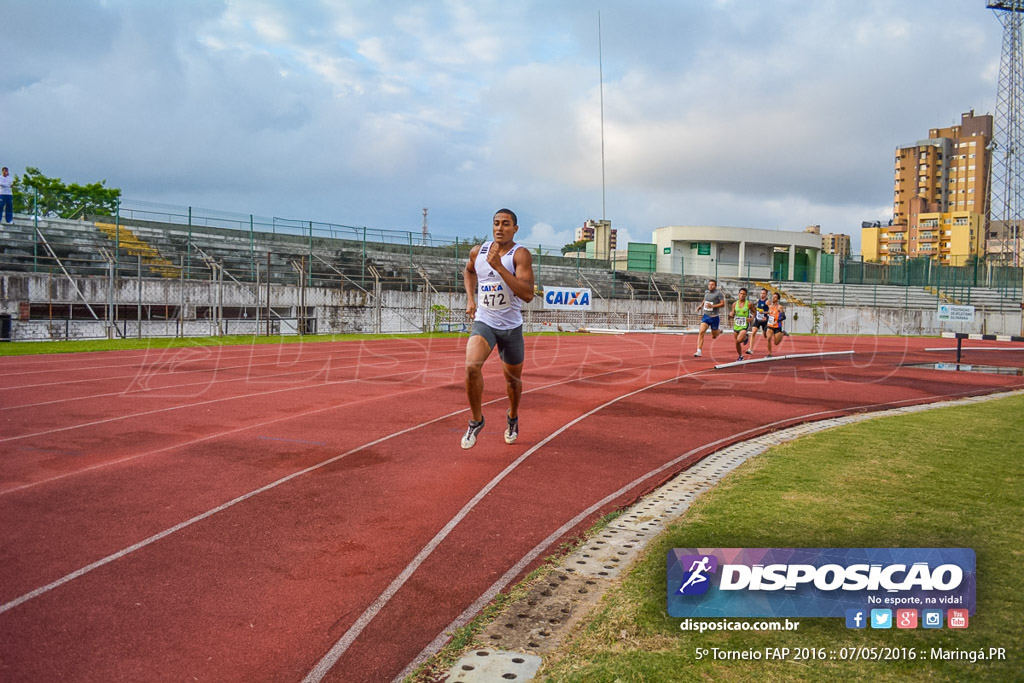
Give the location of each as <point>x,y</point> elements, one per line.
<point>600,71</point>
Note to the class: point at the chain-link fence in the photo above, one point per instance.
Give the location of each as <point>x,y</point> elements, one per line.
<point>238,273</point>
<point>956,281</point>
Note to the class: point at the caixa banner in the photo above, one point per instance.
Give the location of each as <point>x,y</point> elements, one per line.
<point>567,298</point>
<point>816,582</point>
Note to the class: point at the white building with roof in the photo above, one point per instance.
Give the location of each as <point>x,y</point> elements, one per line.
<point>717,251</point>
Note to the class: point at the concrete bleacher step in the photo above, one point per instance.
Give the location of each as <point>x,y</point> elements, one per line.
<point>130,242</point>
<point>165,247</point>
<point>895,296</point>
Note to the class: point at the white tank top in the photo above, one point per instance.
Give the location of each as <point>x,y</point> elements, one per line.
<point>496,305</point>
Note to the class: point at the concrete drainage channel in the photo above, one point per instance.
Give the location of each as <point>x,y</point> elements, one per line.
<point>539,622</point>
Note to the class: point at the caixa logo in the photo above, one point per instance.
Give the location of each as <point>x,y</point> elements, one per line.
<point>567,298</point>
<point>696,580</point>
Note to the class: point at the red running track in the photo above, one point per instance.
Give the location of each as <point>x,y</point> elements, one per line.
<point>305,511</point>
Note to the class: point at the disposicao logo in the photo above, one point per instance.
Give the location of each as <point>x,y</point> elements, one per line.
<point>809,582</point>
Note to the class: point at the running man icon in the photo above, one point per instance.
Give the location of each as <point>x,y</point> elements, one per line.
<point>697,570</point>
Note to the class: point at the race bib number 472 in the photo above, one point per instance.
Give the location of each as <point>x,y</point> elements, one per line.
<point>494,297</point>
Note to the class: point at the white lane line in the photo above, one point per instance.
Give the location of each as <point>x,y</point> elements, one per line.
<point>612,331</point>
<point>177,354</point>
<point>183,406</point>
<point>296,416</point>
<point>189,522</point>
<point>421,370</point>
<point>975,348</point>
<point>525,560</point>
<point>93,423</point>
<point>152,370</point>
<point>258,425</point>
<point>771,359</point>
<point>338,649</point>
<point>514,571</point>
<point>141,392</point>
<point>454,352</point>
<point>209,513</point>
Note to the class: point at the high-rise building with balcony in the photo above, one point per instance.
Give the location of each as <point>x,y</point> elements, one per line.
<point>838,244</point>
<point>943,178</point>
<point>589,229</point>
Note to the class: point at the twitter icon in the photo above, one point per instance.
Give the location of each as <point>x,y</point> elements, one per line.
<point>881,618</point>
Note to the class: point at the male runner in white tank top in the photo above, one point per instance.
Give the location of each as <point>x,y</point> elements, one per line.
<point>498,278</point>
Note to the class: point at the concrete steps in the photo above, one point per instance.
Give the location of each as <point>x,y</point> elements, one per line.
<point>129,241</point>
<point>166,248</point>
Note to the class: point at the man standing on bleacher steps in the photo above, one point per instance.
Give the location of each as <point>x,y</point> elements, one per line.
<point>6,196</point>
<point>498,278</point>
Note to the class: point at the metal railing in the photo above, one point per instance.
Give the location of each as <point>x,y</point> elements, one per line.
<point>339,255</point>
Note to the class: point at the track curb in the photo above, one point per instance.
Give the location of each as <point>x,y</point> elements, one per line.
<point>562,596</point>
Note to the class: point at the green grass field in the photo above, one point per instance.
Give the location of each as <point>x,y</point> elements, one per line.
<point>951,477</point>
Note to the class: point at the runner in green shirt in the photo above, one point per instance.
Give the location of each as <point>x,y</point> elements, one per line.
<point>740,314</point>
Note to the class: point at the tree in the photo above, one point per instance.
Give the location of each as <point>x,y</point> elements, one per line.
<point>53,198</point>
<point>578,245</point>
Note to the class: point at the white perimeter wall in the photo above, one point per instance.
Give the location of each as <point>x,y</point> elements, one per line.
<point>352,310</point>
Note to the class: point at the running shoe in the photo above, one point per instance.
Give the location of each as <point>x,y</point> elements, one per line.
<point>469,440</point>
<point>769,356</point>
<point>698,354</point>
<point>512,431</point>
<point>739,359</point>
<point>749,352</point>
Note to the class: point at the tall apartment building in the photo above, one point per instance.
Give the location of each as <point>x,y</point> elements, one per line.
<point>586,233</point>
<point>1005,242</point>
<point>837,244</point>
<point>943,178</point>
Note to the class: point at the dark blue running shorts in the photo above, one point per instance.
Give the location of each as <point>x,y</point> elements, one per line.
<point>509,342</point>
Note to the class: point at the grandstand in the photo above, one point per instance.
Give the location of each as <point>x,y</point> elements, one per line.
<point>170,250</point>
<point>302,278</point>
<point>892,296</point>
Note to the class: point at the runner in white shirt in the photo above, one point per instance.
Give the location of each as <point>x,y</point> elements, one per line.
<point>498,278</point>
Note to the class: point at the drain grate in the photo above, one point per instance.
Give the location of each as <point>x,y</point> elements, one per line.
<point>488,666</point>
<point>608,553</point>
<point>538,622</point>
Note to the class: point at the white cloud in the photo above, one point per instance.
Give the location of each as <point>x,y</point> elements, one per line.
<point>544,235</point>
<point>779,115</point>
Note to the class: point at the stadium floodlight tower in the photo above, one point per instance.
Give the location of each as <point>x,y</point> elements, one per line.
<point>1007,186</point>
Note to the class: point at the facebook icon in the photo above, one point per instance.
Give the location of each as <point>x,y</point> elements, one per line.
<point>856,618</point>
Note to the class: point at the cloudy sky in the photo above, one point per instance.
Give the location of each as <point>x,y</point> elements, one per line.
<point>770,114</point>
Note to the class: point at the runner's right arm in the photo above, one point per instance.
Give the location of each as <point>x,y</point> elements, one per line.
<point>469,282</point>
